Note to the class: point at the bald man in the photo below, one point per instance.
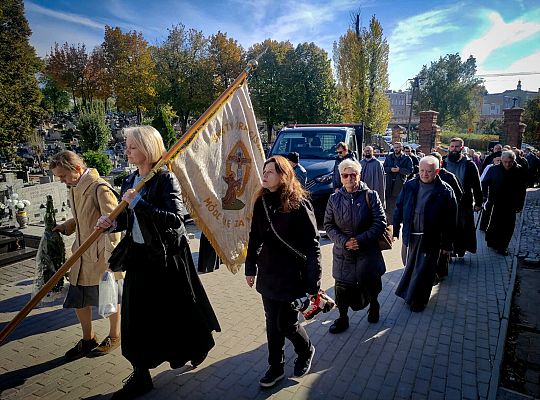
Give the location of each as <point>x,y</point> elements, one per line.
<point>427,208</point>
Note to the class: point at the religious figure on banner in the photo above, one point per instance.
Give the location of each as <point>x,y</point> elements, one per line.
<point>237,170</point>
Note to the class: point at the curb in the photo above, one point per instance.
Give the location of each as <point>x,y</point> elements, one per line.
<point>499,354</point>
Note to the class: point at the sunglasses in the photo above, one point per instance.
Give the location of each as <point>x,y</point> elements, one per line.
<point>346,176</point>
<point>339,152</point>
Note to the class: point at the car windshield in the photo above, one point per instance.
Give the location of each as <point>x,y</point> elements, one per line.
<point>309,145</point>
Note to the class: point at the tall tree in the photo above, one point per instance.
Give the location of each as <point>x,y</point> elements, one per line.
<point>185,73</point>
<point>378,112</point>
<point>20,96</point>
<point>130,69</point>
<point>311,96</point>
<point>66,64</point>
<point>451,88</point>
<point>531,117</point>
<point>361,60</point>
<point>227,58</point>
<point>54,100</point>
<point>268,82</point>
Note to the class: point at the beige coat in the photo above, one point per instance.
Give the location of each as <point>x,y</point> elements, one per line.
<point>89,200</point>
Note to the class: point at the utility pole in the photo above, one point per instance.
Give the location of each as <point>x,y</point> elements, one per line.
<point>415,85</point>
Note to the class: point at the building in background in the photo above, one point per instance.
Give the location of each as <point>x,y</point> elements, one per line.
<point>494,104</point>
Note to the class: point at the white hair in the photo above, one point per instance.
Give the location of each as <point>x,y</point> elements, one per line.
<point>348,163</point>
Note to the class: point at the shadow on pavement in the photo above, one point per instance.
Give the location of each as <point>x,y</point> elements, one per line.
<point>18,377</point>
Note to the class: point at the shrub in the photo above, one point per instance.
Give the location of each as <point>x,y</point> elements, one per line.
<point>94,131</point>
<point>99,161</point>
<point>119,179</point>
<point>163,125</point>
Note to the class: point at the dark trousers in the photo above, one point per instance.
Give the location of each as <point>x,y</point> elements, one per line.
<point>357,297</point>
<point>282,322</point>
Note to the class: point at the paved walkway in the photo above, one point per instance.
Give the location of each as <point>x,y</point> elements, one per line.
<point>451,350</point>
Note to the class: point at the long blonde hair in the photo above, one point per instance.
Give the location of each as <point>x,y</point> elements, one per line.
<point>291,190</point>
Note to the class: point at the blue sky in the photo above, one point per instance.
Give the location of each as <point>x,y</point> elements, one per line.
<point>504,36</point>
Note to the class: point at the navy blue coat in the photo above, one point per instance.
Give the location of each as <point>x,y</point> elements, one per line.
<point>348,215</point>
<point>440,215</point>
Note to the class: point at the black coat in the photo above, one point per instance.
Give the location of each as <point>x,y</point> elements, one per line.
<point>439,215</point>
<point>281,273</point>
<point>450,178</point>
<point>505,188</point>
<point>348,215</point>
<point>161,287</point>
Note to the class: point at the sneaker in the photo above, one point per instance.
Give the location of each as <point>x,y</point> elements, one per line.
<point>339,325</point>
<point>135,385</point>
<point>81,349</point>
<point>302,364</point>
<point>373,313</point>
<point>106,346</point>
<point>272,376</point>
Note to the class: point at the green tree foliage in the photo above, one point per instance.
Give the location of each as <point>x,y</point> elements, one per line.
<point>130,69</point>
<point>493,127</point>
<point>162,123</point>
<point>531,117</point>
<point>227,58</point>
<point>268,83</point>
<point>185,74</point>
<point>20,96</point>
<point>99,161</point>
<point>54,100</point>
<point>450,87</point>
<point>361,60</point>
<point>93,129</point>
<point>309,86</point>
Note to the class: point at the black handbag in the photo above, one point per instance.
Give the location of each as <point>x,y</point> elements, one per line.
<point>385,241</point>
<point>118,257</point>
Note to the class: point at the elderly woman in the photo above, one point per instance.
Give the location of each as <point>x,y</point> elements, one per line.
<point>354,221</point>
<point>284,255</point>
<point>166,315</point>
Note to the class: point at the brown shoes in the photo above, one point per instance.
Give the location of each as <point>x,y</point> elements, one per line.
<point>106,346</point>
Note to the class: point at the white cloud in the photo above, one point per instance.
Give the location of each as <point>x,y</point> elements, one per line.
<point>497,84</point>
<point>412,32</point>
<point>500,34</point>
<point>68,17</point>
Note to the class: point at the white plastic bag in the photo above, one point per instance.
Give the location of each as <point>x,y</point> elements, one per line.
<point>108,294</point>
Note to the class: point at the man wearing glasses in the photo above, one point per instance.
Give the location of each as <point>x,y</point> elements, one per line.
<point>343,153</point>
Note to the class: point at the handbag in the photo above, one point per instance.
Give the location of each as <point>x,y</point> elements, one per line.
<point>385,241</point>
<point>119,255</point>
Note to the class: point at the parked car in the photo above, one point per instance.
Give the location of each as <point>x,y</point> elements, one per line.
<point>316,145</point>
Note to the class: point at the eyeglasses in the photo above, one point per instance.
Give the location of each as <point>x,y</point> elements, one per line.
<point>352,175</point>
<point>339,152</point>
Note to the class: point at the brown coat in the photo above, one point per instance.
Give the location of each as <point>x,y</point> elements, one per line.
<point>89,200</point>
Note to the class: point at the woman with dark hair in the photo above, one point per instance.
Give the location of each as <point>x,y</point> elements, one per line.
<point>355,220</point>
<point>161,284</point>
<point>284,254</point>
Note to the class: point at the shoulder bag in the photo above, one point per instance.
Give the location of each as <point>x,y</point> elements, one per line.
<point>385,241</point>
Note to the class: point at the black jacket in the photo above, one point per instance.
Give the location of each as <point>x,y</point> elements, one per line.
<point>281,273</point>
<point>505,188</point>
<point>439,215</point>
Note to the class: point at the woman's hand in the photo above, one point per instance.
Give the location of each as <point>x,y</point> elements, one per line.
<point>130,195</point>
<point>103,222</point>
<point>60,228</point>
<point>250,280</point>
<point>351,244</point>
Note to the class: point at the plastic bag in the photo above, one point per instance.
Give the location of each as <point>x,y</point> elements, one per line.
<point>108,295</point>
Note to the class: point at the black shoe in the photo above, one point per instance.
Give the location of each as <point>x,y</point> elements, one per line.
<point>272,376</point>
<point>340,325</point>
<point>81,349</point>
<point>502,252</point>
<point>373,313</point>
<point>302,364</point>
<point>135,385</point>
<point>417,307</point>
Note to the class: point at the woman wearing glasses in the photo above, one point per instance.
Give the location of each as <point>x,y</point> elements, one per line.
<point>354,221</point>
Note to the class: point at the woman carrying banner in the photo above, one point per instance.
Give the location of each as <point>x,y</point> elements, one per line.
<point>90,196</point>
<point>284,253</point>
<point>161,280</point>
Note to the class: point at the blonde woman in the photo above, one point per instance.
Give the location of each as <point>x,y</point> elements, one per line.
<point>161,284</point>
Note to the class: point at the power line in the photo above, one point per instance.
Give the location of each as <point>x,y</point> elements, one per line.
<point>508,74</point>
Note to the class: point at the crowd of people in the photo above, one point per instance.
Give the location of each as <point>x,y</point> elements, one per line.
<point>428,200</point>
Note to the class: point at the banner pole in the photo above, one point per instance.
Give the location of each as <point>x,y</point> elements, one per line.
<point>34,301</point>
